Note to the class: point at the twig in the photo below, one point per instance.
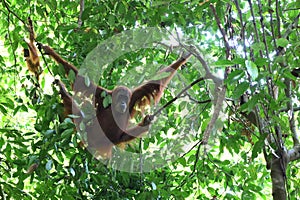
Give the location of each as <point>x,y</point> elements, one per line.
<point>278,19</point>
<point>176,97</point>
<point>43,57</point>
<point>10,42</point>
<point>220,90</point>
<point>289,9</point>
<point>80,13</point>
<point>291,26</point>
<point>12,12</point>
<point>196,160</point>
<point>255,26</point>
<point>272,26</point>
<point>198,101</point>
<point>242,26</point>
<point>287,109</point>
<point>225,39</point>
<point>270,83</point>
<point>263,32</point>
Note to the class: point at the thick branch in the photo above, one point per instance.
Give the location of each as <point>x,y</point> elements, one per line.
<point>220,93</point>
<point>290,108</point>
<point>294,153</point>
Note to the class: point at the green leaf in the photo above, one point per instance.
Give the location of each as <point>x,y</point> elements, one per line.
<point>67,133</point>
<point>247,194</point>
<point>103,94</point>
<point>154,187</point>
<point>9,103</point>
<point>261,62</point>
<point>239,61</point>
<point>86,13</point>
<point>107,101</point>
<point>49,165</point>
<point>252,69</point>
<point>87,81</point>
<point>257,148</point>
<point>223,63</point>
<point>234,76</point>
<point>72,171</point>
<point>3,109</point>
<point>182,161</point>
<point>282,42</point>
<point>240,89</point>
<point>111,20</point>
<point>121,8</point>
<point>71,76</point>
<point>252,102</point>
<point>82,126</point>
<point>289,75</point>
<point>73,116</point>
<point>258,46</point>
<point>67,123</point>
<point>49,133</point>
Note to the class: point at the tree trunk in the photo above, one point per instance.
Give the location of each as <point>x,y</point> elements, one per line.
<point>278,173</point>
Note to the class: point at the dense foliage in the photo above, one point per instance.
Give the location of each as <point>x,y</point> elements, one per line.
<point>252,149</point>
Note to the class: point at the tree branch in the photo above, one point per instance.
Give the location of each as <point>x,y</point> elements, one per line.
<point>80,13</point>
<point>242,26</point>
<point>225,38</point>
<point>176,97</point>
<point>12,12</point>
<point>221,92</point>
<point>294,153</point>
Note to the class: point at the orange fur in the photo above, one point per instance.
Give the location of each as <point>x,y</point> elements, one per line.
<point>110,126</point>
<point>31,55</point>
